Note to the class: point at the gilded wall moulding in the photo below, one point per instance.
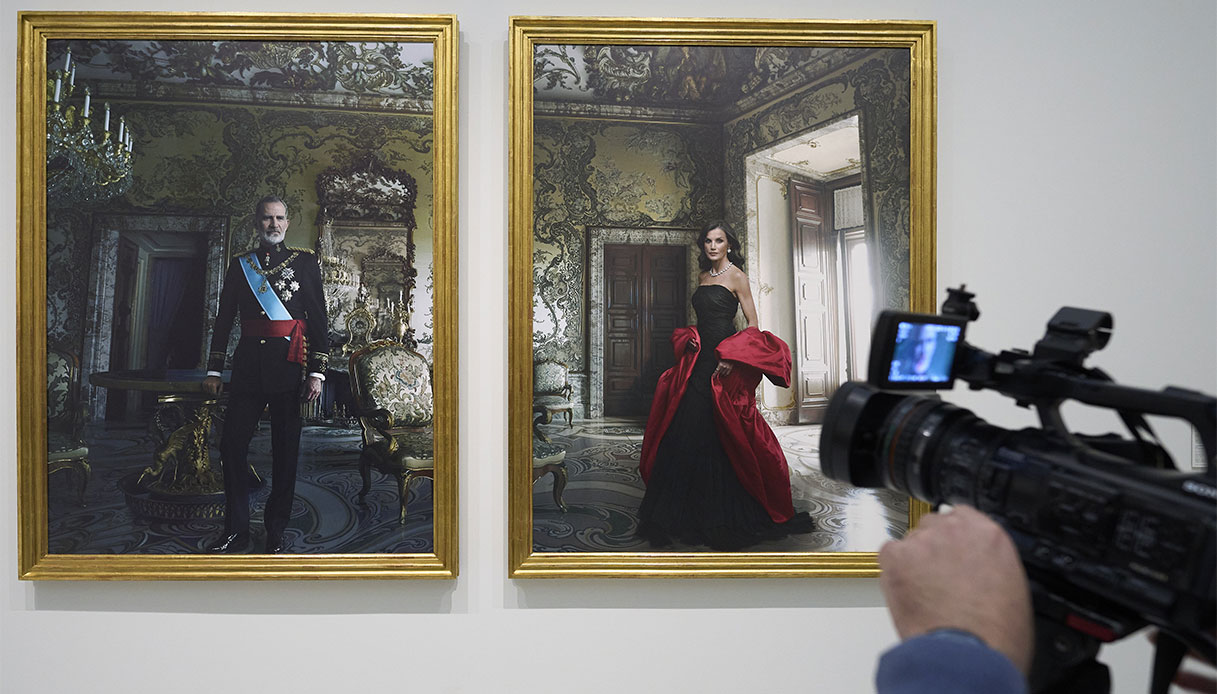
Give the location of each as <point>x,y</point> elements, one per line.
<point>118,296</point>
<point>628,136</point>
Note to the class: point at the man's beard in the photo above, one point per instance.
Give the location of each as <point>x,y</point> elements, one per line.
<point>266,237</point>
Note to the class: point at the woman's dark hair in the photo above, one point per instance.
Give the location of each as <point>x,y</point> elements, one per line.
<point>733,254</point>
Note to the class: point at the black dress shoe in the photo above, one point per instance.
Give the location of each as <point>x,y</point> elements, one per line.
<point>276,545</point>
<point>230,543</point>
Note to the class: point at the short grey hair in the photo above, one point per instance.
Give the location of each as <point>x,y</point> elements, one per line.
<point>269,199</point>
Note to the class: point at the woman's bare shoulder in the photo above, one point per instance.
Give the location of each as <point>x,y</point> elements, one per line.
<point>737,276</point>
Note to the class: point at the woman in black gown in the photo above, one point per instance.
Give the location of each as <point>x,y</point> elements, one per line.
<point>693,495</point>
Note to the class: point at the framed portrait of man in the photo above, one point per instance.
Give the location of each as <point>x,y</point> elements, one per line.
<point>237,296</point>
<point>750,190</point>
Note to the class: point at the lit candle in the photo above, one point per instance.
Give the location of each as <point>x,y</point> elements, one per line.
<point>86,103</point>
<point>57,84</point>
<point>106,127</point>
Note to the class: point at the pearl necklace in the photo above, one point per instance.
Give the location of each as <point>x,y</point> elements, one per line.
<point>725,268</point>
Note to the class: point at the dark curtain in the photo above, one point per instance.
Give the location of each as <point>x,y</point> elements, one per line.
<point>174,313</point>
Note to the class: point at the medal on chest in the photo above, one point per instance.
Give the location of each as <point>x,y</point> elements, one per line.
<point>286,285</point>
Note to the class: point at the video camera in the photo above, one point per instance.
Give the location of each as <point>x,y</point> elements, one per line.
<point>1112,536</point>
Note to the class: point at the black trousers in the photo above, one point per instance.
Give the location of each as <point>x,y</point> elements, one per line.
<point>244,411</point>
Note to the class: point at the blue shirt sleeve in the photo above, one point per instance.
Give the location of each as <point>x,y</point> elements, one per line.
<point>947,661</point>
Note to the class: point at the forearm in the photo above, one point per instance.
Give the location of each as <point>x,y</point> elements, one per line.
<point>318,326</point>
<point>947,662</point>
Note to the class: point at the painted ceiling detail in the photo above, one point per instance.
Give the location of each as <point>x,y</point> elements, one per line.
<point>379,69</point>
<point>699,82</point>
<point>824,154</point>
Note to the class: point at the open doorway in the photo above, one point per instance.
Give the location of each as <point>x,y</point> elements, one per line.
<point>158,309</point>
<point>809,247</point>
<point>154,285</point>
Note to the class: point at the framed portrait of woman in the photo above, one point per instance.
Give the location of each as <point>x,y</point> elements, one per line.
<point>706,215</point>
<point>237,279</point>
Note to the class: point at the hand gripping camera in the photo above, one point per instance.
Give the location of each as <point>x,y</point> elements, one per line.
<point>1112,536</point>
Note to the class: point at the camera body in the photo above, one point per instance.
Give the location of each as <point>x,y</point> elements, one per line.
<point>1112,536</point>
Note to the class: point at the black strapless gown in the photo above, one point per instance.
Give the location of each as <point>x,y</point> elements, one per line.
<point>693,495</point>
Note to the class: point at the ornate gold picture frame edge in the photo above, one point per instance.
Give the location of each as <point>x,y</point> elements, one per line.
<point>918,36</point>
<point>34,30</point>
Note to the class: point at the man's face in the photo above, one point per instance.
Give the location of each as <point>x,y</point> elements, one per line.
<point>271,223</point>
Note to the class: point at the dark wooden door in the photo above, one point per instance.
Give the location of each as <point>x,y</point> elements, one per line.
<point>645,300</point>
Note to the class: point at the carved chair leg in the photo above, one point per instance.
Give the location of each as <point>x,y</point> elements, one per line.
<point>559,471</point>
<point>403,488</point>
<point>85,473</point>
<point>365,472</point>
<point>544,418</point>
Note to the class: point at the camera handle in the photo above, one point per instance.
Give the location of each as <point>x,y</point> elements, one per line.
<point>1065,661</point>
<point>1068,635</point>
<point>1045,385</point>
<point>1197,409</point>
<point>1167,657</point>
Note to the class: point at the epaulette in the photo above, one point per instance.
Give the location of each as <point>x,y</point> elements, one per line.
<point>302,250</point>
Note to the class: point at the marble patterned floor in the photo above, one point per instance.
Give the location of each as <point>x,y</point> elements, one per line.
<point>326,516</point>
<point>604,489</point>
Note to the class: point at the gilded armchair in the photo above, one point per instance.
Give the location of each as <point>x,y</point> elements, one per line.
<point>66,449</point>
<point>550,458</point>
<point>551,394</point>
<point>391,388</point>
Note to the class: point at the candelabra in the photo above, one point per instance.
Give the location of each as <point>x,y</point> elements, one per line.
<point>83,167</point>
<point>401,325</point>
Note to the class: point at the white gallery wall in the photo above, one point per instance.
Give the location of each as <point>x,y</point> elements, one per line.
<point>1077,164</point>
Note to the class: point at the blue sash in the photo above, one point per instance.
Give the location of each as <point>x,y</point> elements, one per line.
<point>263,291</point>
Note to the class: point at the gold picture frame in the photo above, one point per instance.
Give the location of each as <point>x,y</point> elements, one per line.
<point>36,29</point>
<point>916,42</point>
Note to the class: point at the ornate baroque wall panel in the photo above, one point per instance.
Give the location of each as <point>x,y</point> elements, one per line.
<point>69,243</point>
<point>235,155</point>
<point>219,160</point>
<point>605,173</point>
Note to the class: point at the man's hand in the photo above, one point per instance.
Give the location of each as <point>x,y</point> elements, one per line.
<point>724,368</point>
<point>312,388</point>
<point>960,570</point>
<point>212,385</point>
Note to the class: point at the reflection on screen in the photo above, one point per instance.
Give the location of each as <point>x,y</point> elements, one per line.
<point>924,352</point>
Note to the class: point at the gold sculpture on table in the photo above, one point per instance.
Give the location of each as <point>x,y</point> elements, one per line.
<point>182,462</point>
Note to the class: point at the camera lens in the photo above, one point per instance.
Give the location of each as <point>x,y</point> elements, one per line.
<point>918,445</point>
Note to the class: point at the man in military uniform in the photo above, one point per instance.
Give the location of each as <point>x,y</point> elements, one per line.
<point>277,291</point>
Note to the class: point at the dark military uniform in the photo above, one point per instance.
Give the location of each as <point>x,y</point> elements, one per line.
<point>263,374</point>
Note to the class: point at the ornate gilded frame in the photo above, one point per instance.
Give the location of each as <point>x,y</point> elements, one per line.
<point>917,37</point>
<point>35,29</point>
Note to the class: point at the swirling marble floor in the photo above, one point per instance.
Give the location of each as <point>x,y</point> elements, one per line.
<point>326,515</point>
<point>604,490</point>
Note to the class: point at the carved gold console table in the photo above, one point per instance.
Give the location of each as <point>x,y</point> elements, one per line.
<point>181,482</point>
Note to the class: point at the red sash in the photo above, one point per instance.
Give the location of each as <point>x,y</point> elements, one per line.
<point>294,329</point>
